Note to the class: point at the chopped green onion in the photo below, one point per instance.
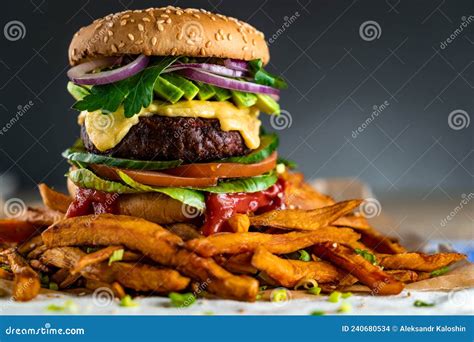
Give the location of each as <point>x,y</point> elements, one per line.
<point>317,313</point>
<point>208,313</point>
<point>69,306</point>
<point>6,268</point>
<point>279,295</point>
<point>315,290</point>
<point>184,300</point>
<point>116,256</point>
<point>128,302</point>
<point>346,295</point>
<point>439,271</point>
<point>53,286</point>
<point>44,279</point>
<point>345,308</point>
<point>304,256</point>
<point>262,288</point>
<point>91,249</point>
<point>419,304</point>
<point>334,297</point>
<point>366,255</point>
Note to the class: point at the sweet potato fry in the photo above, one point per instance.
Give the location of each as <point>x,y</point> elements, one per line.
<point>153,241</point>
<point>373,276</point>
<point>238,263</point>
<point>301,195</point>
<point>235,243</point>
<point>185,231</point>
<point>94,258</point>
<point>239,223</point>
<point>289,272</point>
<point>30,244</point>
<point>54,200</point>
<point>26,283</point>
<point>418,261</point>
<point>352,221</point>
<point>407,276</point>
<point>304,219</point>
<point>15,231</point>
<point>4,274</point>
<point>379,243</point>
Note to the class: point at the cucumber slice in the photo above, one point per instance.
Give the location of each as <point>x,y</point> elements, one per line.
<point>189,88</point>
<point>206,91</point>
<point>242,99</point>
<point>222,94</point>
<point>267,104</point>
<point>78,92</point>
<point>167,90</point>
<point>268,144</point>
<point>80,155</point>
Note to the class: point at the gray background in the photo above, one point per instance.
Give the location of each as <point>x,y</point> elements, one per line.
<point>335,79</point>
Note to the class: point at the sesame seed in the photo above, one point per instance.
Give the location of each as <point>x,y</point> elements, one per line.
<point>121,45</point>
<point>179,12</point>
<point>168,11</point>
<point>253,42</point>
<point>253,54</point>
<point>229,37</point>
<point>139,42</point>
<point>164,15</point>
<point>97,26</point>
<point>217,36</point>
<point>244,38</point>
<point>160,27</point>
<point>220,32</point>
<point>174,51</point>
<point>179,36</point>
<point>195,15</point>
<point>202,51</point>
<point>106,38</point>
<point>213,18</point>
<point>153,41</point>
<point>146,19</point>
<point>189,42</point>
<point>168,21</point>
<point>161,21</point>
<point>114,48</point>
<point>123,22</point>
<point>245,48</point>
<point>126,16</point>
<point>334,245</point>
<point>131,37</point>
<point>140,27</point>
<point>132,20</point>
<point>110,33</point>
<point>111,24</point>
<point>208,44</point>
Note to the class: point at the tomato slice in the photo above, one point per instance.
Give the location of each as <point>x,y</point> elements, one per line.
<point>15,231</point>
<point>225,170</point>
<point>154,178</point>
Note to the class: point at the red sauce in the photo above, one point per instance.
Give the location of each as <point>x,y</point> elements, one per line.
<point>89,201</point>
<point>221,207</point>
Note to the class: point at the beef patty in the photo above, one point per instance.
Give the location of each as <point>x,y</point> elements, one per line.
<point>164,138</point>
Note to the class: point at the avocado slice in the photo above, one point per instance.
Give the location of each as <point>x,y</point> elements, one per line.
<point>167,90</point>
<point>242,99</point>
<point>206,91</point>
<point>221,94</point>
<point>77,91</point>
<point>267,104</point>
<point>189,88</point>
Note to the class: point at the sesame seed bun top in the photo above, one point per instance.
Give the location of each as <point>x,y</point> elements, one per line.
<point>168,31</point>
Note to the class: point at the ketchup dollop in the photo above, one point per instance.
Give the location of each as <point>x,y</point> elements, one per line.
<point>221,207</point>
<point>89,201</point>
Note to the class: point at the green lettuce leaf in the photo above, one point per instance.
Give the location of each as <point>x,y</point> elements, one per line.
<point>85,178</point>
<point>189,197</point>
<point>251,184</point>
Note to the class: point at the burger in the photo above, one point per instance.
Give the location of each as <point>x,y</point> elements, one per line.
<point>169,101</point>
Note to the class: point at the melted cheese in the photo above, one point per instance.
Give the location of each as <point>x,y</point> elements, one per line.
<point>106,131</point>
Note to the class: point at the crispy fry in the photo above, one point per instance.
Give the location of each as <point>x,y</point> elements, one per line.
<point>304,219</point>
<point>352,221</point>
<point>288,272</point>
<point>405,276</point>
<point>54,200</point>
<point>239,223</point>
<point>30,244</point>
<point>94,258</point>
<point>235,243</point>
<point>4,274</point>
<point>238,263</point>
<point>118,290</point>
<point>379,281</point>
<point>379,243</point>
<point>153,241</point>
<point>185,231</point>
<point>418,261</point>
<point>26,283</point>
<point>301,195</point>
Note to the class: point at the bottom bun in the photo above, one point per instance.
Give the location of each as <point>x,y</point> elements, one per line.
<point>154,207</point>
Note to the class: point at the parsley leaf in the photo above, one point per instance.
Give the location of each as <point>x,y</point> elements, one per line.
<point>134,92</point>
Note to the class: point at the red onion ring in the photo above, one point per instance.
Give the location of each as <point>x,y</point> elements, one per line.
<point>236,64</point>
<point>79,74</point>
<point>213,68</point>
<point>227,83</point>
